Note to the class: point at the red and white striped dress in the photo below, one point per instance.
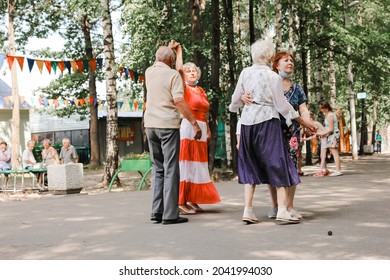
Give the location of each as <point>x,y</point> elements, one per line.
<point>195,182</point>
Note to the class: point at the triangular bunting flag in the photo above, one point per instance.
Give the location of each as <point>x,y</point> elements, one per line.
<point>141,79</point>
<point>100,62</point>
<point>79,64</point>
<point>54,66</point>
<point>82,102</point>
<point>2,58</point>
<point>48,66</point>
<point>10,60</point>
<point>68,66</point>
<point>74,66</point>
<point>30,63</point>
<point>126,73</point>
<point>7,100</point>
<point>39,64</point>
<point>55,102</point>
<point>92,64</point>
<point>132,75</point>
<point>61,65</point>
<point>76,102</point>
<point>20,60</point>
<point>86,65</point>
<point>45,102</point>
<point>136,77</point>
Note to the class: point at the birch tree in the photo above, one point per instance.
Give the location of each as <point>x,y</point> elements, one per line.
<point>112,109</point>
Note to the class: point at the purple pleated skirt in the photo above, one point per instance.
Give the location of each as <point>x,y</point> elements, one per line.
<point>263,156</point>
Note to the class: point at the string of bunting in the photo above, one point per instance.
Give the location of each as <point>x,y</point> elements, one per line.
<point>74,66</point>
<point>6,102</point>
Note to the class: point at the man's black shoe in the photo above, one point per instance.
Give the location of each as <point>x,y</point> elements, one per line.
<point>156,217</point>
<point>175,221</point>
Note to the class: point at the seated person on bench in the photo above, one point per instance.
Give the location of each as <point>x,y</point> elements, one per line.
<point>5,159</point>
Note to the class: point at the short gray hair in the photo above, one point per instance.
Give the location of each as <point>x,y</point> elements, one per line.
<point>65,140</point>
<point>46,141</point>
<point>164,53</point>
<point>192,65</point>
<point>262,51</point>
<point>30,142</point>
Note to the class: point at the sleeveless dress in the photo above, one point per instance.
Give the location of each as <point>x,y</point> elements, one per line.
<point>195,182</point>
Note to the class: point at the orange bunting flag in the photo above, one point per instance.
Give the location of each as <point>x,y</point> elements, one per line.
<point>141,79</point>
<point>61,65</point>
<point>132,75</point>
<point>121,70</point>
<point>91,100</point>
<point>92,64</point>
<point>80,65</point>
<point>81,102</point>
<point>66,102</point>
<point>48,65</point>
<point>40,100</point>
<point>10,60</point>
<point>74,66</point>
<point>39,64</point>
<point>86,100</point>
<point>7,99</point>
<point>20,60</point>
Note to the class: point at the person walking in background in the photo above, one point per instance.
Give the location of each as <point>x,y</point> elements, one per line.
<point>164,103</point>
<point>332,135</point>
<point>68,153</point>
<point>5,160</point>
<point>378,142</point>
<point>323,146</point>
<point>196,186</point>
<point>262,156</point>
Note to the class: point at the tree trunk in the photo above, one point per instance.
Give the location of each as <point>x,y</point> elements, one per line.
<point>332,75</point>
<point>228,13</point>
<point>290,26</point>
<point>215,66</point>
<point>278,24</point>
<point>265,18</point>
<point>305,78</point>
<point>93,125</point>
<point>251,23</point>
<point>197,34</point>
<point>112,110</point>
<point>15,123</point>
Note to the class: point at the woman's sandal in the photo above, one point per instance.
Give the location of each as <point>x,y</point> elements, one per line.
<point>195,207</point>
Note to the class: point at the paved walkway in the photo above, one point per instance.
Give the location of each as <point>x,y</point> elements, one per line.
<point>355,207</point>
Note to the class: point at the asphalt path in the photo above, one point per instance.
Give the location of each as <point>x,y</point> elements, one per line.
<point>116,225</point>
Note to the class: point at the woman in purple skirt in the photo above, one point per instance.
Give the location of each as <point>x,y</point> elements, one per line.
<point>262,155</point>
